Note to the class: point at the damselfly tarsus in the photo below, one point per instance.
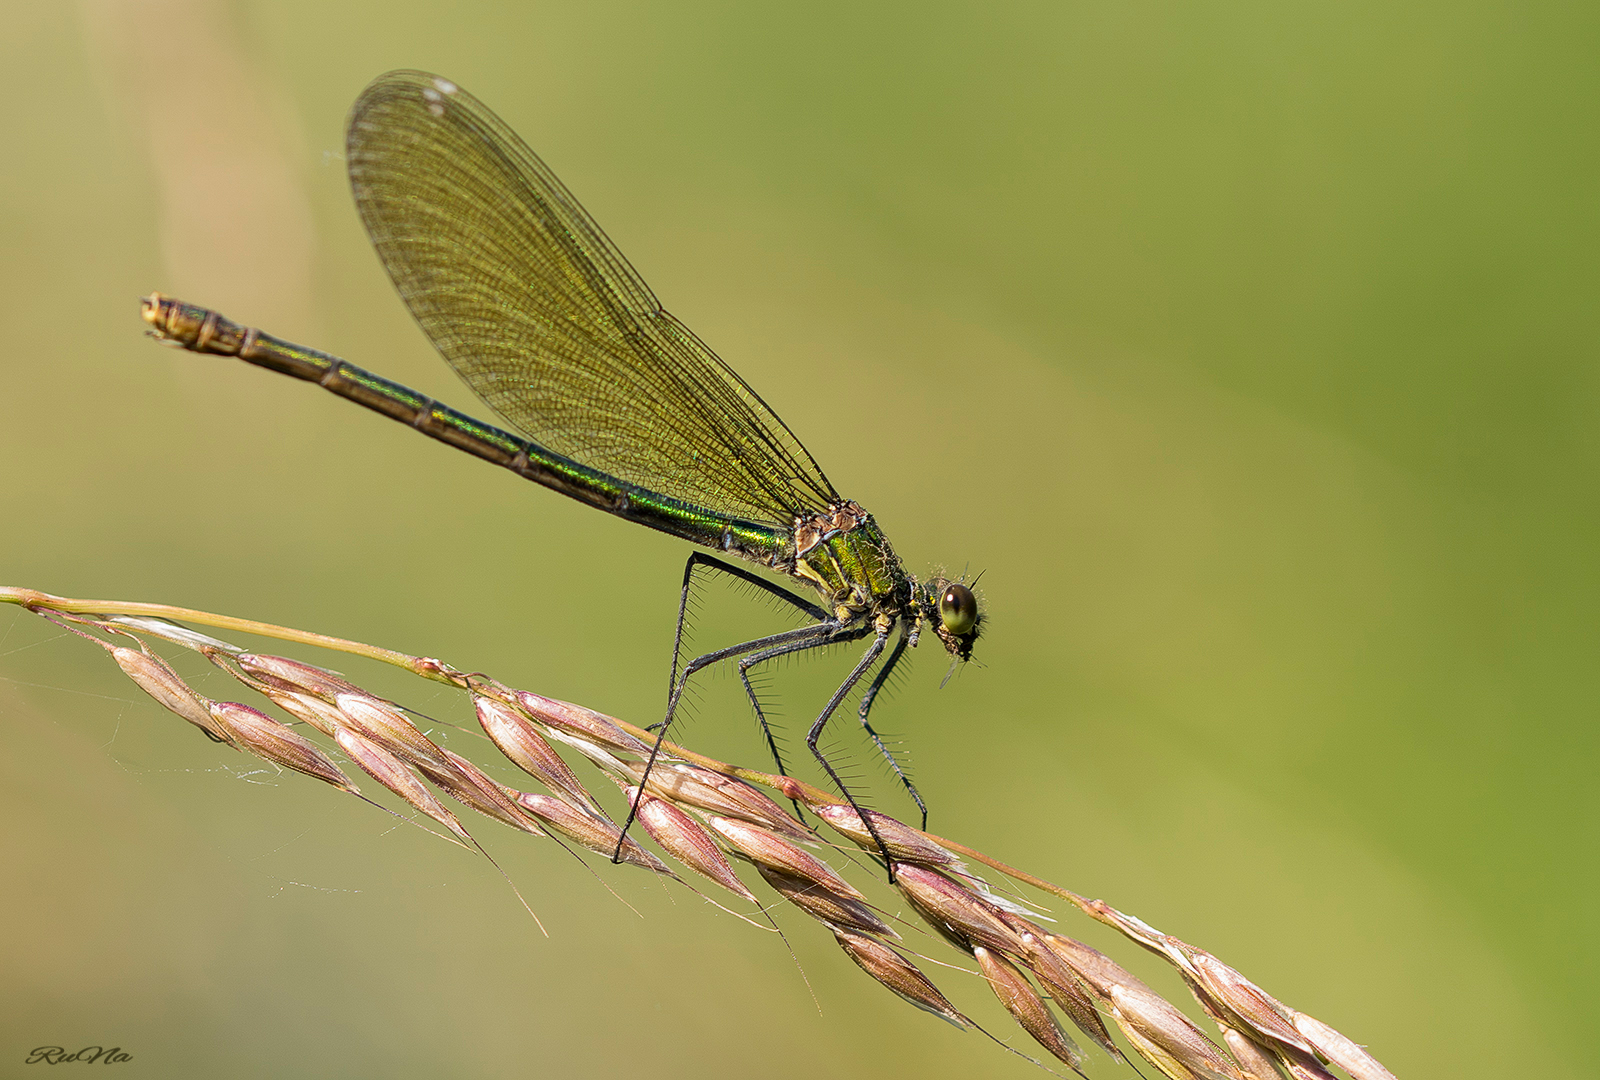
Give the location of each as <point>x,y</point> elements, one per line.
<point>618,404</point>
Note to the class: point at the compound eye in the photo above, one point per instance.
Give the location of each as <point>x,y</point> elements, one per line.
<point>958,609</point>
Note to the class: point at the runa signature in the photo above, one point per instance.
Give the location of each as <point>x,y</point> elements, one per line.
<point>57,1055</point>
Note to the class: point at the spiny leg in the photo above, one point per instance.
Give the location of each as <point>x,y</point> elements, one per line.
<point>866,707</point>
<point>755,703</point>
<point>710,563</point>
<point>818,634</point>
<point>867,660</point>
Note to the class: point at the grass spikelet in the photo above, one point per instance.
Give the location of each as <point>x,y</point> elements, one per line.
<point>387,726</point>
<point>578,721</point>
<point>1026,1006</point>
<point>155,677</point>
<point>904,843</point>
<point>898,974</point>
<point>725,796</point>
<point>514,735</point>
<point>825,905</point>
<point>685,840</point>
<point>1342,1051</point>
<point>596,834</point>
<point>470,786</point>
<point>1061,983</point>
<point>392,773</point>
<point>267,739</point>
<point>955,911</point>
<point>768,849</point>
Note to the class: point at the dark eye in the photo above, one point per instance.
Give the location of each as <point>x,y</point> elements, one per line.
<point>958,609</point>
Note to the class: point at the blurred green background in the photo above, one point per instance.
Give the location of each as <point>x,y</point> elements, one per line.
<point>1249,350</point>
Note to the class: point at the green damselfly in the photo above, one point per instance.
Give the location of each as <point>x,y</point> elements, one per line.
<point>618,404</point>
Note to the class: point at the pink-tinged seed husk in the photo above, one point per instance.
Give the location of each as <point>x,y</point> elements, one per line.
<point>1169,1066</point>
<point>266,738</point>
<point>1148,1019</point>
<point>1025,1005</point>
<point>898,974</point>
<point>576,720</point>
<point>392,773</point>
<point>1063,986</point>
<point>768,849</point>
<point>1073,1001</point>
<point>1257,1060</point>
<point>683,838</point>
<point>468,785</point>
<point>839,912</point>
<point>155,678</point>
<point>308,708</point>
<point>1097,970</point>
<point>1223,991</point>
<point>905,844</point>
<point>1254,1059</point>
<point>387,726</point>
<point>593,833</point>
<point>325,684</point>
<point>527,750</point>
<point>1242,1002</point>
<point>690,785</point>
<point>1340,1050</point>
<point>1298,1066</point>
<point>373,718</point>
<point>1218,987</point>
<point>955,910</point>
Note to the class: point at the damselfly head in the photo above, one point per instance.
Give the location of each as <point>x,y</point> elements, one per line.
<point>952,608</point>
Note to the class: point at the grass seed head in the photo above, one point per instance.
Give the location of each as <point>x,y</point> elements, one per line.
<point>685,840</point>
<point>593,833</point>
<point>392,773</point>
<point>309,709</point>
<point>1148,1019</point>
<point>387,726</point>
<point>1241,1002</point>
<point>1340,1050</point>
<point>1026,1006</point>
<point>323,683</point>
<point>578,721</point>
<point>1099,972</point>
<point>703,789</point>
<point>1061,983</point>
<point>470,786</point>
<point>154,677</point>
<point>905,844</point>
<point>898,974</point>
<point>767,849</point>
<point>1255,1061</point>
<point>955,910</point>
<point>515,736</point>
<point>825,905</point>
<point>266,738</point>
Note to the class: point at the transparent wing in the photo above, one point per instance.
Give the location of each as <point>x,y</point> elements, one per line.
<point>539,312</point>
